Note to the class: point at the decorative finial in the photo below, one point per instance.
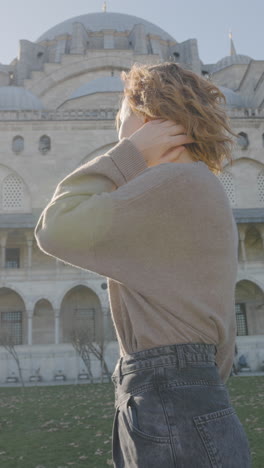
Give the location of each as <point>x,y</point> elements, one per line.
<point>232,45</point>
<point>104,7</point>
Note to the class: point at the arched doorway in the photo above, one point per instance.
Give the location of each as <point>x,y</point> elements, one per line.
<point>81,307</point>
<point>249,308</point>
<point>43,323</point>
<point>13,318</point>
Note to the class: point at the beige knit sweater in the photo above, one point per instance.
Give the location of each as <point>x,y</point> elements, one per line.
<point>165,238</point>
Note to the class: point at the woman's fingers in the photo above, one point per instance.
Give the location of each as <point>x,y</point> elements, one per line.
<point>169,124</point>
<point>182,139</point>
<point>172,155</point>
<point>158,138</point>
<point>177,140</point>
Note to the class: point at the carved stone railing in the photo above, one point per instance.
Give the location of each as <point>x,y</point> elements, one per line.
<point>100,114</point>
<point>73,114</point>
<point>246,113</point>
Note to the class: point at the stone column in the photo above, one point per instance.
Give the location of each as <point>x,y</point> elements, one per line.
<point>29,244</point>
<point>3,241</point>
<point>29,317</point>
<point>242,236</point>
<point>57,326</point>
<point>29,238</point>
<point>103,297</point>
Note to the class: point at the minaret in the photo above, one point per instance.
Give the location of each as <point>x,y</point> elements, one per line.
<point>104,7</point>
<point>232,45</point>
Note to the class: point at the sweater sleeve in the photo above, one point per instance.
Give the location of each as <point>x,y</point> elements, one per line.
<point>88,223</point>
<point>109,216</point>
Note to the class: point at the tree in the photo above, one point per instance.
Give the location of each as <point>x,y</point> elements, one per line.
<point>7,340</point>
<point>87,340</point>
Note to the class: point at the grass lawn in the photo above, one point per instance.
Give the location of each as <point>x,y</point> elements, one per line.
<point>70,425</point>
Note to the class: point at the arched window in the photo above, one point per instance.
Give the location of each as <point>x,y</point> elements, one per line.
<point>11,322</point>
<point>176,55</point>
<point>228,182</point>
<point>205,73</point>
<point>12,192</point>
<point>18,144</point>
<point>44,144</point>
<point>242,140</point>
<point>241,319</point>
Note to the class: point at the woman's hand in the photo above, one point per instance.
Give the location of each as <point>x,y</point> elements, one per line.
<point>160,141</point>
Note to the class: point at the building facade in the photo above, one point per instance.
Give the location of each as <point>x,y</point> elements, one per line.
<point>58,101</point>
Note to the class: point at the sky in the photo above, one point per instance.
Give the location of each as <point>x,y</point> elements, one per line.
<point>208,21</point>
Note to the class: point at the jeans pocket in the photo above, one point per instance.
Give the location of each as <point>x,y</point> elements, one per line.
<point>224,439</point>
<point>144,417</point>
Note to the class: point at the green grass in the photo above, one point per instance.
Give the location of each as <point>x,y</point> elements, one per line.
<point>247,396</point>
<point>70,425</point>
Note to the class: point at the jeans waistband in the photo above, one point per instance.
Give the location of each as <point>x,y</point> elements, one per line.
<point>177,354</point>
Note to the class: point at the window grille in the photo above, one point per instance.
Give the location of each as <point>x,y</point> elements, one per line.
<point>12,323</point>
<point>12,258</point>
<point>85,317</point>
<point>18,144</point>
<point>44,144</point>
<point>12,192</point>
<point>242,140</point>
<point>241,320</point>
<point>260,179</point>
<point>228,182</point>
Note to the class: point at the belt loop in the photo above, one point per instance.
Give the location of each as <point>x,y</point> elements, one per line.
<point>120,369</point>
<point>181,356</point>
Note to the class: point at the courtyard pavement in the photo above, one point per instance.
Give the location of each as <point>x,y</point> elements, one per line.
<point>84,381</point>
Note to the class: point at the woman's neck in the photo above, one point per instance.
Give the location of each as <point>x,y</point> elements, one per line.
<point>186,157</point>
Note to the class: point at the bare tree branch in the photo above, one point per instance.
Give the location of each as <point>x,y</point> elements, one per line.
<point>87,341</point>
<point>8,342</point>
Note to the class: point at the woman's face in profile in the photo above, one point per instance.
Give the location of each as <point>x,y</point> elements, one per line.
<point>129,122</point>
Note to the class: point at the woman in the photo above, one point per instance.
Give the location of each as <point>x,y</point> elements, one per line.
<point>152,217</point>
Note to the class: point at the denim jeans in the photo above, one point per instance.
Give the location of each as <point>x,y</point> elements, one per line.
<point>173,411</point>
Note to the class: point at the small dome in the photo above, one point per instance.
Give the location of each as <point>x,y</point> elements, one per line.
<point>104,20</point>
<point>18,98</point>
<point>231,60</point>
<point>115,84</point>
<point>99,85</point>
<point>233,100</point>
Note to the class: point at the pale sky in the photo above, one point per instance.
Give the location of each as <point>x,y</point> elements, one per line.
<point>209,21</point>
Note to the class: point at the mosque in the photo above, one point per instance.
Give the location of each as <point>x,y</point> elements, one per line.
<point>58,101</point>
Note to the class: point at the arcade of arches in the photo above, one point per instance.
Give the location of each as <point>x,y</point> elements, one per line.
<point>81,306</point>
<point>45,325</point>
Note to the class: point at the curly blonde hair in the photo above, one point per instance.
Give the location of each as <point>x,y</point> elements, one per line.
<point>168,91</point>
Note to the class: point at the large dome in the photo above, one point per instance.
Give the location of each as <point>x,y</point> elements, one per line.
<point>18,98</point>
<point>104,20</point>
<point>105,84</point>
